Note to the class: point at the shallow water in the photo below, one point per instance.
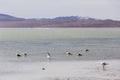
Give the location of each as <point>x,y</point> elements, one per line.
<point>70,70</point>
<point>28,34</point>
<point>37,50</point>
<point>102,47</point>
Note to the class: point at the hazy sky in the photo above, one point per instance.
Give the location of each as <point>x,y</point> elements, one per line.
<point>52,8</point>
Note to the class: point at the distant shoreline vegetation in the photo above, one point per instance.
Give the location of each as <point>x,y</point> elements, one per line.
<point>7,21</point>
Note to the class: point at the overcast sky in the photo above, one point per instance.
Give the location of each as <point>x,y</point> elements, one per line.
<point>52,8</point>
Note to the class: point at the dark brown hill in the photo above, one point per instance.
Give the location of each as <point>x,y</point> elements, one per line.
<point>62,23</point>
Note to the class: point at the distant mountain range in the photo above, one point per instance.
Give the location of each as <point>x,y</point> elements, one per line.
<point>4,17</point>
<point>7,21</point>
<point>66,18</point>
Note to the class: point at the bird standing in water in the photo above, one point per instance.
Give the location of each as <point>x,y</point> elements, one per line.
<point>103,65</point>
<point>68,53</point>
<point>19,55</point>
<point>48,55</point>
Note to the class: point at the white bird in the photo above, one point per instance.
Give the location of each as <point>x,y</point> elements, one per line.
<point>103,65</point>
<point>86,50</point>
<point>79,54</point>
<point>68,53</point>
<point>48,55</point>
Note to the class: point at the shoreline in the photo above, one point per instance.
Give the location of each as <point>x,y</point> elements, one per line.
<point>63,70</point>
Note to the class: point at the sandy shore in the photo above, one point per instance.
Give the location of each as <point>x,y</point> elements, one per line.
<point>60,70</point>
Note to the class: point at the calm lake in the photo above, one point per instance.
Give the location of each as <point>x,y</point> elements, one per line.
<point>103,45</point>
<point>39,41</point>
<point>32,34</point>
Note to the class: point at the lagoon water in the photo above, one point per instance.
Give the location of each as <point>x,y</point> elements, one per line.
<point>31,34</point>
<point>39,41</point>
<point>103,44</point>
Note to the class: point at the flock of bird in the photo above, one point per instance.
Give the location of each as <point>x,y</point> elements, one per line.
<point>67,53</point>
<point>49,55</point>
<point>20,55</point>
